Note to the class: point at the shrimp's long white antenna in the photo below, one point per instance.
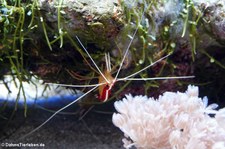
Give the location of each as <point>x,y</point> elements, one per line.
<point>59,111</point>
<point>108,62</point>
<point>77,86</point>
<point>125,55</point>
<point>155,78</point>
<point>92,60</point>
<point>134,74</point>
<point>128,47</point>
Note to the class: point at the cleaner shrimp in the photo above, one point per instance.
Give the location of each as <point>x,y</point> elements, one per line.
<point>106,81</point>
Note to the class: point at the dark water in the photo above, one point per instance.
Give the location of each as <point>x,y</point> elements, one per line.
<point>64,131</point>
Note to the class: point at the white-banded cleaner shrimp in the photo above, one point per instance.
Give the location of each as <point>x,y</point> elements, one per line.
<point>107,80</point>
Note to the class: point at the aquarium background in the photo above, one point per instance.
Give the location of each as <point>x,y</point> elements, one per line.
<point>38,39</point>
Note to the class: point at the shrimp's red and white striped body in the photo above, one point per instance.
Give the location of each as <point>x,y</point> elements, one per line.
<point>107,81</point>
<point>105,89</point>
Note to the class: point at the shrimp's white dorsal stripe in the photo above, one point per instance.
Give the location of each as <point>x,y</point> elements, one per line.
<point>92,60</point>
<point>59,111</point>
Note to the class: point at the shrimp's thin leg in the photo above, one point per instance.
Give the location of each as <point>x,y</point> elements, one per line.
<point>85,113</point>
<point>92,60</point>
<point>59,111</point>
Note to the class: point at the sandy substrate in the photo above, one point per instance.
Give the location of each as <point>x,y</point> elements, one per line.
<point>94,131</point>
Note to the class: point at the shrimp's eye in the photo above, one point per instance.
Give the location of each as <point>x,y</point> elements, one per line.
<point>106,87</point>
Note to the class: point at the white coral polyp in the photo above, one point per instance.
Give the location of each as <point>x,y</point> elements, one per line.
<point>174,120</point>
